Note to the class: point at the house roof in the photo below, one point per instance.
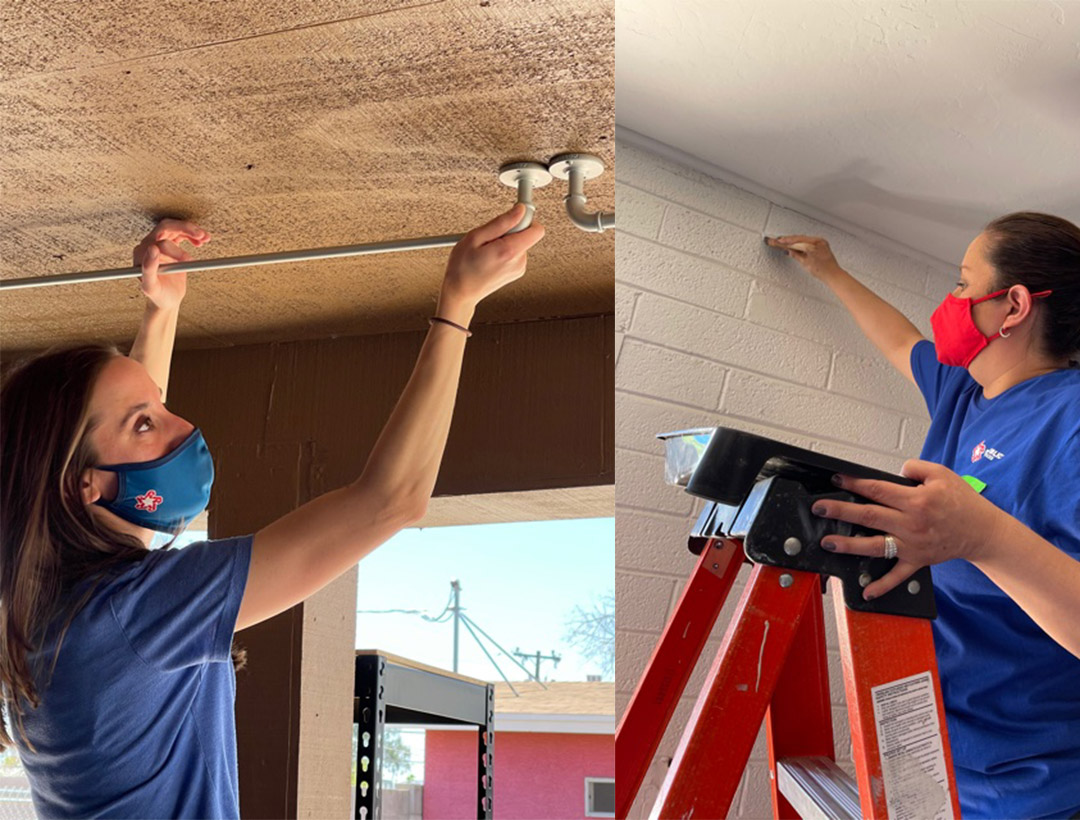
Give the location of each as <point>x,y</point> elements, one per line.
<point>560,698</point>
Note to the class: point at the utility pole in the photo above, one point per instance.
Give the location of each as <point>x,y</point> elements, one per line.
<point>536,656</point>
<point>455,585</point>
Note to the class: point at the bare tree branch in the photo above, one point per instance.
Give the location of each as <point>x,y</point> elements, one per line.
<point>591,631</point>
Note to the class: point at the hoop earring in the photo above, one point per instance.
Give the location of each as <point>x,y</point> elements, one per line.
<point>1003,334</point>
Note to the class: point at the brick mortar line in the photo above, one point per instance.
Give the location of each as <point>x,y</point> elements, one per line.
<point>778,427</point>
<point>745,315</point>
<point>733,367</point>
<point>674,402</point>
<point>634,507</point>
<point>641,289</point>
<point>655,515</point>
<point>666,201</point>
<point>925,278</point>
<point>729,365</point>
<point>663,513</point>
<point>858,274</point>
<point>891,409</point>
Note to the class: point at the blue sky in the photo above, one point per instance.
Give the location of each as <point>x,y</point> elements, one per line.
<point>519,583</point>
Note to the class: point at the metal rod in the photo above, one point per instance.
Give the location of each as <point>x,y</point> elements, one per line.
<point>524,182</point>
<point>337,252</point>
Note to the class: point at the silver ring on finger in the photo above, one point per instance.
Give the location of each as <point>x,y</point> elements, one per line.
<point>890,546</point>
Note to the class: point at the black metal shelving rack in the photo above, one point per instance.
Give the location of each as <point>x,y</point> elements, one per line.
<point>394,690</point>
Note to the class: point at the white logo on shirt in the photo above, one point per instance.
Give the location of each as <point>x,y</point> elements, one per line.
<point>982,451</point>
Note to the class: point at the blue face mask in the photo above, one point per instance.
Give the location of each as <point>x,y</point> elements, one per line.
<point>166,493</point>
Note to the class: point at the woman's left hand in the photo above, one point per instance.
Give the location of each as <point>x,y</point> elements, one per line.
<point>160,247</point>
<point>940,519</point>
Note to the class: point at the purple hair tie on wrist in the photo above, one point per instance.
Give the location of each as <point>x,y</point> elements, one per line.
<point>435,319</point>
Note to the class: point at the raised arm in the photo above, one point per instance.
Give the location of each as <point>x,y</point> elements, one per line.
<point>303,551</point>
<point>880,322</point>
<point>153,345</point>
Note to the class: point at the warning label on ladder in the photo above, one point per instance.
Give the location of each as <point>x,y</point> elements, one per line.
<point>909,741</point>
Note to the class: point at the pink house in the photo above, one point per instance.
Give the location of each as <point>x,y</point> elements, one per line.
<point>554,756</point>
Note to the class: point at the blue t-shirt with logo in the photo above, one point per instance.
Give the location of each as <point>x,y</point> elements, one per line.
<point>139,717</point>
<point>1012,693</point>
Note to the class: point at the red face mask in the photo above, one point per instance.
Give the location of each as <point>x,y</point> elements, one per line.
<point>956,338</point>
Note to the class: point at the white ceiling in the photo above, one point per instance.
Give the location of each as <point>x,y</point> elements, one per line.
<point>918,119</point>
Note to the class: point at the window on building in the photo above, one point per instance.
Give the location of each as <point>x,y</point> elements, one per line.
<point>599,797</point>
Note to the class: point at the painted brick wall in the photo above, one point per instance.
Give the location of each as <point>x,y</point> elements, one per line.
<point>537,775</point>
<point>713,327</point>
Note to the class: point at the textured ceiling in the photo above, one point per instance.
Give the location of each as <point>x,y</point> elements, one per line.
<point>279,125</point>
<point>918,119</point>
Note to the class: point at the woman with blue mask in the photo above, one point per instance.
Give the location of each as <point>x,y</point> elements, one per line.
<point>997,508</point>
<point>115,663</point>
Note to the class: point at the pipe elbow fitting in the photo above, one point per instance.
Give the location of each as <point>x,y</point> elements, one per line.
<point>575,209</point>
<point>526,221</point>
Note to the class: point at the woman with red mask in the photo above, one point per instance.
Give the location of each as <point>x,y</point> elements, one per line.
<point>999,488</point>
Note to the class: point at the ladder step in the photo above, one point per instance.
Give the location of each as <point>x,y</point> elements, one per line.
<point>818,789</point>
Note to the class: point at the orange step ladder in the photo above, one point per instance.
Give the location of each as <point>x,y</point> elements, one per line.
<point>771,666</point>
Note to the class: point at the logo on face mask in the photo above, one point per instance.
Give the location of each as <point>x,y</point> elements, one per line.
<point>149,501</point>
<point>185,475</point>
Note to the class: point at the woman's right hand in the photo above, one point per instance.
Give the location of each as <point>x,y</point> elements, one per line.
<point>812,252</point>
<point>484,260</point>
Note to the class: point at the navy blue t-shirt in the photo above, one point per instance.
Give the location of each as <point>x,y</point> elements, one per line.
<point>139,718</point>
<point>1012,693</point>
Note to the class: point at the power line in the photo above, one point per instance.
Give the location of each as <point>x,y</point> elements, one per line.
<point>493,661</point>
<point>507,654</point>
<point>538,656</point>
<point>442,617</point>
<point>453,609</point>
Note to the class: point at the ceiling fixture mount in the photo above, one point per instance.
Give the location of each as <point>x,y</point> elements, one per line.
<point>525,176</point>
<point>577,168</point>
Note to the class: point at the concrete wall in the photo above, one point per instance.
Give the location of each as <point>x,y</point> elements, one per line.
<point>715,328</point>
<point>537,775</point>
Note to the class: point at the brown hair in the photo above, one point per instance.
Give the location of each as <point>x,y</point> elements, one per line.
<point>1041,252</point>
<point>49,541</point>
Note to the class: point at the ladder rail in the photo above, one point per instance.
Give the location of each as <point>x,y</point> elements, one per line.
<point>658,691</point>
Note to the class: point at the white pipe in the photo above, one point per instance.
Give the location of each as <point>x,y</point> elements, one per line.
<point>525,189</point>
<point>596,222</point>
<point>340,251</point>
<point>336,252</point>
